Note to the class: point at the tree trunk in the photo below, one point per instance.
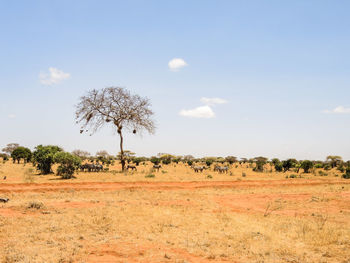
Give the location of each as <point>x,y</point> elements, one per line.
<point>122,160</point>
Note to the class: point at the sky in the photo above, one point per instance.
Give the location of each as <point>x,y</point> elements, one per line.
<point>242,78</point>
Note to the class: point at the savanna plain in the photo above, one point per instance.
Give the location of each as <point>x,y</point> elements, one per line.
<point>174,215</point>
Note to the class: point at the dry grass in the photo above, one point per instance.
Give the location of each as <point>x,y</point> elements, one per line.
<point>286,223</point>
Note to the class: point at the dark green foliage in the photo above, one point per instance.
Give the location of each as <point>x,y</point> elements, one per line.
<point>44,157</point>
<point>260,162</point>
<point>189,162</point>
<point>318,165</point>
<point>230,159</point>
<point>347,174</point>
<point>21,153</point>
<point>288,164</point>
<point>4,156</point>
<point>155,160</point>
<point>166,160</point>
<point>341,168</point>
<point>138,160</point>
<point>69,163</point>
<point>275,161</point>
<point>150,176</point>
<point>307,165</point>
<point>279,167</point>
<point>209,162</point>
<point>293,176</point>
<point>327,167</point>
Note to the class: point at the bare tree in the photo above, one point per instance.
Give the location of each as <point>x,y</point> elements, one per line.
<point>102,153</point>
<point>10,148</point>
<point>118,107</point>
<point>81,154</point>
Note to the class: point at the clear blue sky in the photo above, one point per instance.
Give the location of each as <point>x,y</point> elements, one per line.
<point>282,66</point>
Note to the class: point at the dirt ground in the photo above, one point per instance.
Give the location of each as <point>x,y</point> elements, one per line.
<point>176,216</point>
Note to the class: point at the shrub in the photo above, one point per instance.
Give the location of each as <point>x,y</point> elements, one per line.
<point>306,165</point>
<point>347,174</point>
<point>21,153</point>
<point>322,173</point>
<point>244,174</point>
<point>69,163</point>
<point>209,176</point>
<point>35,205</point>
<point>327,167</point>
<point>189,162</point>
<point>279,167</point>
<point>319,165</point>
<point>293,176</point>
<point>44,157</point>
<point>150,176</point>
<point>155,160</point>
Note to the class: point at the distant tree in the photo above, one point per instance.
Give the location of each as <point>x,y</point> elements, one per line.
<point>166,158</point>
<point>116,106</point>
<point>334,160</point>
<point>102,153</point>
<point>83,155</point>
<point>347,173</point>
<point>138,160</point>
<point>69,163</point>
<point>209,161</point>
<point>177,159</point>
<point>243,160</point>
<point>288,164</point>
<point>44,157</point>
<point>21,153</point>
<point>231,159</point>
<point>279,167</point>
<point>10,148</point>
<point>4,156</point>
<point>275,161</point>
<point>155,160</point>
<point>307,165</point>
<point>260,162</point>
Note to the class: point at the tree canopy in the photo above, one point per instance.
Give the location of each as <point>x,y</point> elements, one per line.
<point>116,106</point>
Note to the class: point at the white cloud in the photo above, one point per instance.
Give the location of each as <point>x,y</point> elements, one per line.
<point>53,77</point>
<point>338,110</point>
<point>199,112</point>
<point>11,116</point>
<point>212,101</point>
<point>176,64</point>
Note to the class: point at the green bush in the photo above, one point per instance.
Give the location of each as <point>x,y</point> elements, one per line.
<point>322,173</point>
<point>347,174</point>
<point>279,167</point>
<point>21,153</point>
<point>44,157</point>
<point>69,163</point>
<point>307,165</point>
<point>150,176</point>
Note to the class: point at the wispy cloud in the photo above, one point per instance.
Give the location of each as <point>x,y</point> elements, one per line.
<point>199,112</point>
<point>11,116</point>
<point>338,110</point>
<point>213,101</point>
<point>54,76</point>
<point>176,64</point>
